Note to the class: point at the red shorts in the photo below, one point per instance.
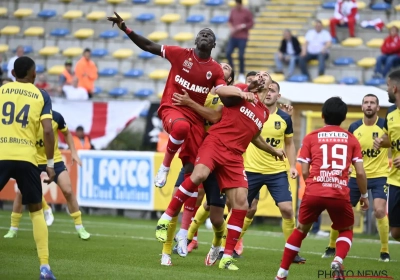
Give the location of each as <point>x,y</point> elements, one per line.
<point>196,135</point>
<point>340,211</point>
<point>227,166</point>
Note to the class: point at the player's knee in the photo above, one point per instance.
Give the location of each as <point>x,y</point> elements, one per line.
<point>67,192</point>
<point>34,207</point>
<point>286,209</point>
<point>180,130</point>
<point>380,213</point>
<point>241,203</point>
<point>253,209</point>
<point>217,220</point>
<point>188,167</point>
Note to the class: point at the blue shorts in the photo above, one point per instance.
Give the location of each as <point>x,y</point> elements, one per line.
<point>277,185</point>
<point>59,167</point>
<point>394,205</point>
<point>376,185</point>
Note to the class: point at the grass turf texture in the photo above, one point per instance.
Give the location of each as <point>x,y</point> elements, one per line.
<point>122,248</point>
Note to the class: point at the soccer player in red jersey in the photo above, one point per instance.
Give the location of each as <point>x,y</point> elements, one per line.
<point>330,151</point>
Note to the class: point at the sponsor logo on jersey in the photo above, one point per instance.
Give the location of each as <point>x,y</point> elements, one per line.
<point>251,116</point>
<point>277,125</point>
<point>215,100</point>
<point>374,135</point>
<point>208,75</point>
<point>189,86</point>
<point>188,64</point>
<point>338,137</point>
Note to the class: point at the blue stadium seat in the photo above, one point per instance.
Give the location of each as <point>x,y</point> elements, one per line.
<point>219,20</point>
<point>298,79</point>
<point>195,19</point>
<point>91,1</point>
<point>343,61</point>
<point>329,5</point>
<point>144,92</point>
<point>109,34</point>
<point>4,67</point>
<point>375,82</point>
<point>40,68</point>
<point>214,3</point>
<point>140,1</point>
<point>334,41</point>
<point>144,113</point>
<point>108,72</point>
<point>380,6</point>
<point>134,73</point>
<point>27,49</point>
<point>99,52</point>
<point>47,14</point>
<point>118,91</point>
<point>146,55</point>
<point>97,90</point>
<point>145,17</point>
<point>349,81</point>
<point>59,32</point>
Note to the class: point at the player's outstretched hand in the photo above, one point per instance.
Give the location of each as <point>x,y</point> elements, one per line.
<point>118,21</point>
<point>280,154</point>
<point>293,173</point>
<point>378,143</point>
<point>287,108</point>
<point>364,203</point>
<point>248,96</point>
<point>181,99</point>
<point>75,158</point>
<point>51,173</point>
<point>396,162</point>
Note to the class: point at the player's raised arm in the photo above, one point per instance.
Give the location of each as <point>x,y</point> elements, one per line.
<point>259,142</point>
<point>140,41</point>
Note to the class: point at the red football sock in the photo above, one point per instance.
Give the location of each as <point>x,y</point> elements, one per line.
<point>188,212</point>
<point>235,224</point>
<point>292,248</point>
<point>343,243</point>
<point>178,135</point>
<point>184,191</point>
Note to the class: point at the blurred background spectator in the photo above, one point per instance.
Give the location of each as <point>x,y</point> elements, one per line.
<point>86,72</point>
<point>41,82</point>
<point>75,92</point>
<point>10,66</point>
<point>288,53</point>
<point>390,54</point>
<point>81,140</point>
<point>346,13</point>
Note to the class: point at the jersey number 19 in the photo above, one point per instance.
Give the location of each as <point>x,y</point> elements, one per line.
<point>338,156</point>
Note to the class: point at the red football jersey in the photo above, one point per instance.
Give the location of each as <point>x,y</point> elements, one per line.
<point>197,76</point>
<point>239,124</point>
<point>330,151</point>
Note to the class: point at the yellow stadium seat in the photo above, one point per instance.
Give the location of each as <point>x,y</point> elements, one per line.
<point>367,62</point>
<point>84,33</point>
<point>72,14</point>
<point>301,39</point>
<point>393,23</point>
<point>160,94</point>
<point>324,79</point>
<point>159,74</point>
<point>115,1</point>
<point>277,77</point>
<point>3,11</point>
<point>10,30</point>
<point>183,37</point>
<point>125,15</point>
<point>96,15</point>
<point>361,5</point>
<point>164,2</point>
<point>21,13</point>
<point>73,51</point>
<point>49,51</point>
<point>122,53</point>
<point>313,62</point>
<point>352,42</point>
<point>34,31</point>
<point>325,22</point>
<point>3,48</point>
<point>233,3</point>
<point>189,3</point>
<point>375,43</point>
<point>170,18</point>
<point>157,36</point>
<point>397,8</point>
<point>56,70</point>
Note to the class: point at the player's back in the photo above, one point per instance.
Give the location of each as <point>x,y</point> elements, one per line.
<point>21,109</point>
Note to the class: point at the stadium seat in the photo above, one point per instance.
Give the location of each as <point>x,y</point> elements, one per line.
<point>72,14</point>
<point>23,13</point>
<point>352,42</point>
<point>115,1</point>
<point>361,5</point>
<point>144,113</point>
<point>40,68</point>
<point>334,41</point>
<point>49,51</point>
<point>96,16</point>
<point>301,39</point>
<point>233,3</point>
<point>125,15</point>
<point>277,77</point>
<point>324,79</point>
<point>313,62</point>
<point>298,79</point>
<point>349,81</point>
<point>3,11</point>
<point>325,22</point>
<point>183,37</point>
<point>59,32</point>
<point>97,90</point>
<point>329,5</point>
<point>375,82</point>
<point>34,31</point>
<point>145,17</point>
<point>159,74</point>
<point>122,53</point>
<point>108,72</point>
<point>189,3</point>
<point>375,43</point>
<point>99,52</point>
<point>367,62</point>
<point>170,18</point>
<point>146,55</point>
<point>163,2</point>
<point>4,67</point>
<point>109,34</point>
<point>393,23</point>
<point>56,70</point>
<point>380,6</point>
<point>157,36</point>
<point>118,92</point>
<point>84,33</point>
<point>397,8</point>
<point>27,50</point>
<point>10,30</point>
<point>140,1</point>
<point>134,73</point>
<point>73,51</point>
<point>3,48</point>
<point>343,61</point>
<point>219,20</point>
<point>214,3</point>
<point>195,19</point>
<point>144,92</point>
<point>91,1</point>
<point>45,14</point>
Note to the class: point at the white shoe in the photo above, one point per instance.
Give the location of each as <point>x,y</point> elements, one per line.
<point>48,217</point>
<point>166,260</point>
<point>321,233</point>
<point>161,178</point>
<point>212,256</point>
<point>181,247</point>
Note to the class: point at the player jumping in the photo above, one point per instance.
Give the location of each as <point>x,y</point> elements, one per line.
<point>330,151</point>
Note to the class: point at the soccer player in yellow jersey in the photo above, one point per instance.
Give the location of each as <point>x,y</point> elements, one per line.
<point>391,139</point>
<point>22,108</point>
<point>62,178</point>
<point>376,166</point>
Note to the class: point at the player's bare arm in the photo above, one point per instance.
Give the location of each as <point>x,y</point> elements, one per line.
<point>361,178</point>
<point>70,142</point>
<point>48,138</point>
<point>140,41</point>
<point>305,170</point>
<point>259,142</point>
<point>396,162</point>
<point>291,155</point>
<point>382,142</point>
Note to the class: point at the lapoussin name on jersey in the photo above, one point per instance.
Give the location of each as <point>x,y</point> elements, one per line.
<point>191,87</point>
<point>251,116</point>
<point>15,140</point>
<point>20,92</point>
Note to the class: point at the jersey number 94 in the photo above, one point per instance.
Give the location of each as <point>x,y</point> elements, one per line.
<point>10,115</point>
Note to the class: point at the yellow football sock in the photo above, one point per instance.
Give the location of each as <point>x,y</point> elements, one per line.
<point>167,246</point>
<point>218,235</point>
<point>287,227</point>
<point>383,229</point>
<point>246,224</point>
<point>332,238</point>
<point>41,236</point>
<point>225,231</point>
<point>45,206</point>
<point>15,219</point>
<point>77,216</point>
<point>199,219</point>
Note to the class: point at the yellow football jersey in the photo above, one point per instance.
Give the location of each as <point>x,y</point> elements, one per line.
<point>214,102</point>
<point>58,123</point>
<point>22,106</point>
<point>376,163</point>
<point>276,128</point>
<point>392,128</point>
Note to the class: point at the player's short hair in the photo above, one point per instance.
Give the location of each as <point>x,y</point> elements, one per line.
<point>87,50</point>
<point>251,74</point>
<point>22,65</point>
<point>371,95</point>
<point>238,1</point>
<point>232,77</point>
<point>318,21</point>
<point>79,128</point>
<point>334,111</point>
<point>276,83</point>
<point>395,76</point>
